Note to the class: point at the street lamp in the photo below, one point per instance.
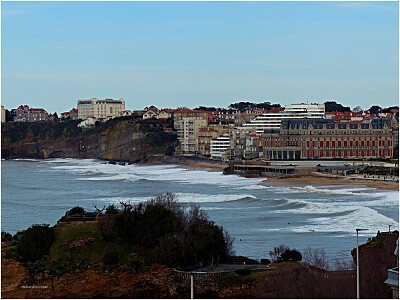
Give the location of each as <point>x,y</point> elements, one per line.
<point>192,282</point>
<point>358,265</point>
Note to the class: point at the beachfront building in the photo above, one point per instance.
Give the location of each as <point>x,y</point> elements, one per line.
<point>207,134</point>
<point>187,123</point>
<point>273,118</point>
<point>238,141</point>
<point>100,109</point>
<point>24,113</point>
<point>326,139</point>
<point>253,147</point>
<point>219,148</point>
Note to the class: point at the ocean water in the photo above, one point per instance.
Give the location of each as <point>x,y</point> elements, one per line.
<point>258,217</point>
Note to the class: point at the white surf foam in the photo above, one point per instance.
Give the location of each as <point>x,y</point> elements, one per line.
<point>158,173</point>
<point>347,191</point>
<point>205,198</point>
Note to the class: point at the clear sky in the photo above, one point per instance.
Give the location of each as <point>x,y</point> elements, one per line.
<point>173,54</point>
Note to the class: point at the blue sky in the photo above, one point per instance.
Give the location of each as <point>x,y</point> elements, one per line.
<point>173,54</point>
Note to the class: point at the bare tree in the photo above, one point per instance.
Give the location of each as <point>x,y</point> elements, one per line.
<point>126,206</point>
<point>277,252</point>
<point>229,243</point>
<point>341,264</point>
<point>99,211</point>
<point>316,258</point>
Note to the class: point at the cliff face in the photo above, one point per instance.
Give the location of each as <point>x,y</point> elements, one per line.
<point>376,257</point>
<point>123,142</point>
<point>118,139</point>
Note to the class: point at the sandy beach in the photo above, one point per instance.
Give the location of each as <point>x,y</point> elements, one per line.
<point>321,181</point>
<point>303,181</point>
<point>293,182</point>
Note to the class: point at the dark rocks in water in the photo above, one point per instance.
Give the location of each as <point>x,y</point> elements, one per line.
<point>112,162</point>
<point>228,171</point>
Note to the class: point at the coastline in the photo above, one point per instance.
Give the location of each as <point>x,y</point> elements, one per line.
<point>339,182</point>
<point>216,166</point>
<point>304,181</point>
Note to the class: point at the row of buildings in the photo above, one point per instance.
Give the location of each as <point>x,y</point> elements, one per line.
<point>297,131</point>
<point>97,109</point>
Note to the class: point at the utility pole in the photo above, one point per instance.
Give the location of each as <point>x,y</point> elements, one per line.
<point>358,265</point>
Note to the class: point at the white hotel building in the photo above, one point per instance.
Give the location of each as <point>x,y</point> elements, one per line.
<point>272,120</point>
<point>100,109</point>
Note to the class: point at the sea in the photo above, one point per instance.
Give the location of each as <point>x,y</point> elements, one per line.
<point>257,217</point>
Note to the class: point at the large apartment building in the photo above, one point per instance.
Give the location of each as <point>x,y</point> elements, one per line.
<point>187,123</point>
<point>326,139</point>
<point>100,109</point>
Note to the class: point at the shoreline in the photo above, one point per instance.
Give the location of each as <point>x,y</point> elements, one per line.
<point>332,182</point>
<point>216,166</point>
<point>290,181</point>
<point>210,166</point>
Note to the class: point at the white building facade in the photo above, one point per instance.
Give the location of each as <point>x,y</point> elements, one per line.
<point>100,109</point>
<point>272,120</point>
<point>219,149</point>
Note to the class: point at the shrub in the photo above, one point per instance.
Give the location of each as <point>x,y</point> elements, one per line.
<point>77,210</point>
<point>171,234</point>
<point>38,266</point>
<point>35,242</point>
<point>136,262</point>
<point>243,272</point>
<point>112,210</point>
<point>291,255</point>
<point>277,252</point>
<point>6,237</point>
<point>265,261</point>
<point>111,258</point>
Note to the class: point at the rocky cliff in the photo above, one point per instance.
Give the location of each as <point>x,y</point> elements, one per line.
<point>120,139</point>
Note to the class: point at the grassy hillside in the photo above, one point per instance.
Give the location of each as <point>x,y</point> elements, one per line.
<point>80,245</point>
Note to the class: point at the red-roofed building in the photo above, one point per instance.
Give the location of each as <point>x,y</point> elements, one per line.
<point>152,108</point>
<point>26,114</point>
<point>206,135</point>
<point>72,114</point>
